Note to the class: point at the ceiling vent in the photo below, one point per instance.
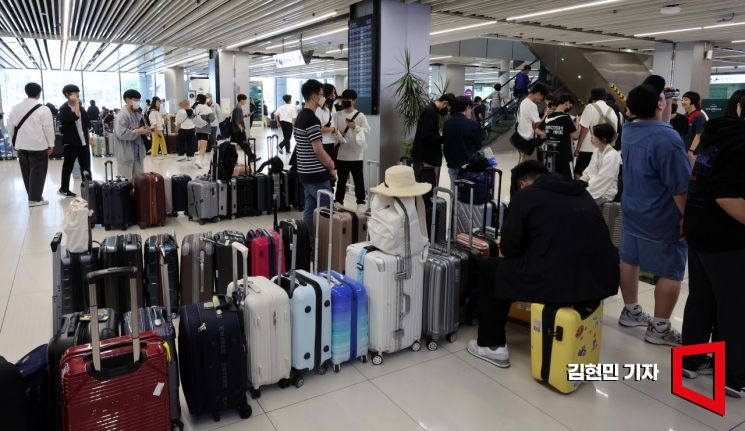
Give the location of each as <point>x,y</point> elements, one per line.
<point>670,9</point>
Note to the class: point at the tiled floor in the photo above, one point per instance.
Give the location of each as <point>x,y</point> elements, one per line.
<point>442,390</point>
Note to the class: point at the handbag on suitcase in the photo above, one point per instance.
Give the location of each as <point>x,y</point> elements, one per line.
<point>95,376</point>
<point>202,327</point>
<point>116,195</point>
<point>197,268</point>
<point>159,250</point>
<point>266,319</point>
<point>120,251</point>
<point>560,336</point>
<point>91,191</point>
<point>150,199</point>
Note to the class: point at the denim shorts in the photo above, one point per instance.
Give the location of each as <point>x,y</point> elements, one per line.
<point>663,259</point>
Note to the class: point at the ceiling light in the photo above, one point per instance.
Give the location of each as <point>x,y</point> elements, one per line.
<point>440,57</point>
<point>284,29</point>
<point>465,27</point>
<point>65,19</point>
<point>680,30</point>
<point>729,24</point>
<point>739,41</point>
<point>562,9</point>
<point>670,9</point>
<point>603,41</point>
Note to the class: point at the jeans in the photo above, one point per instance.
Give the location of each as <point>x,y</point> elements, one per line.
<point>712,310</point>
<point>82,154</point>
<point>187,142</point>
<point>286,135</point>
<point>343,169</point>
<point>34,171</point>
<point>311,192</point>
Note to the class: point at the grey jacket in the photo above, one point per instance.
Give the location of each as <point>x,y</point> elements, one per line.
<point>127,143</point>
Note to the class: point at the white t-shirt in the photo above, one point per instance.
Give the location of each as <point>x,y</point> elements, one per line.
<point>601,174</point>
<point>325,116</point>
<point>527,115</point>
<point>286,112</point>
<point>591,117</point>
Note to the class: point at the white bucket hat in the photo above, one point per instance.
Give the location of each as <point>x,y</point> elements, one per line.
<point>400,182</point>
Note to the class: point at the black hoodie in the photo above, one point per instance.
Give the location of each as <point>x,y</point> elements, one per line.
<point>719,172</point>
<point>556,245</point>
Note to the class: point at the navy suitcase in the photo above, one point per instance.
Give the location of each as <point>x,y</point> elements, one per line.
<point>159,249</point>
<point>179,193</point>
<point>202,328</point>
<point>34,368</point>
<point>118,251</point>
<point>117,201</point>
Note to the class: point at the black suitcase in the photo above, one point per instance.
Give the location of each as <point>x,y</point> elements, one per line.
<point>179,193</point>
<point>263,196</point>
<point>159,249</point>
<point>13,402</point>
<point>440,219</point>
<point>68,272</point>
<point>74,330</point>
<point>91,191</point>
<point>280,187</point>
<point>303,254</point>
<point>224,259</point>
<point>296,191</point>
<point>118,251</point>
<point>117,198</point>
<point>201,330</point>
<point>245,196</point>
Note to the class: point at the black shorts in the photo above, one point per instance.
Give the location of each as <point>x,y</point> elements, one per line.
<point>583,161</point>
<point>203,136</point>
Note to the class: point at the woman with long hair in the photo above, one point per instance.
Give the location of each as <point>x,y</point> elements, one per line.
<point>186,131</point>
<point>158,126</point>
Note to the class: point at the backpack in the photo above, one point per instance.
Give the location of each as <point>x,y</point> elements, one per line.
<point>146,118</point>
<point>226,128</point>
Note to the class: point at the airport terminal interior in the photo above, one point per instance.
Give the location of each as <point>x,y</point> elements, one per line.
<point>399,57</point>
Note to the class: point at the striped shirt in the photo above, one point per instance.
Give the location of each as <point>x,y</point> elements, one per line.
<point>307,130</point>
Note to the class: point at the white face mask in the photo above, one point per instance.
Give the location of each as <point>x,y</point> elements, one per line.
<point>321,101</point>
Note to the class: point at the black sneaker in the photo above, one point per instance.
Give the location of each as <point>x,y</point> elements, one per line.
<point>705,368</point>
<point>66,193</point>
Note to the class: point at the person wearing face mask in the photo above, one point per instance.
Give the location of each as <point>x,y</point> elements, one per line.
<point>427,148</point>
<point>462,136</point>
<point>352,146</point>
<point>678,120</point>
<point>325,113</point>
<point>127,137</point>
<point>556,250</point>
<point>75,128</point>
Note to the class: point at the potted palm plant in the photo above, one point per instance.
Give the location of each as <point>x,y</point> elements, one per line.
<point>411,92</point>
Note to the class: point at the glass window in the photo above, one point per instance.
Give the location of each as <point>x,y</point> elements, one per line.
<point>103,87</point>
<point>54,80</point>
<point>12,83</point>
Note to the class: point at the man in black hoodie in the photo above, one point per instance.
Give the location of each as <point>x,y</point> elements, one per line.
<point>75,128</point>
<point>557,250</point>
<point>427,149</point>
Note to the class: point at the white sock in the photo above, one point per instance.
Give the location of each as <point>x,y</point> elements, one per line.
<point>658,323</point>
<point>634,308</point>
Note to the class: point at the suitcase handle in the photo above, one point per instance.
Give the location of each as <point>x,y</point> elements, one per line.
<point>102,274</point>
<point>448,238</point>
<point>164,272</point>
<point>237,247</point>
<point>406,306</point>
<point>498,180</point>
<point>293,249</point>
<point>370,164</point>
<point>106,166</point>
<point>318,226</point>
<point>471,186</point>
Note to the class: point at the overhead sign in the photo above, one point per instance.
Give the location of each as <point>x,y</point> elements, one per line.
<point>289,59</point>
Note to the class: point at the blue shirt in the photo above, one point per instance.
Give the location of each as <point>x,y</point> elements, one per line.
<point>655,168</point>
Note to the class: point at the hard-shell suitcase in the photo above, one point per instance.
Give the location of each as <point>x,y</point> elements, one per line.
<point>486,247</point>
<point>150,199</point>
<point>74,330</point>
<point>99,148</point>
<point>96,377</point>
<point>202,201</point>
<point>440,221</point>
<point>119,251</point>
<point>246,191</point>
<point>560,336</point>
<point>520,311</point>
<point>442,288</point>
<point>118,205</point>
<point>227,192</point>
<point>394,295</point>
<point>68,272</point>
<point>349,227</point>
<point>614,219</point>
<point>162,249</point>
<point>224,259</point>
<point>34,368</point>
<point>266,322</point>
<point>178,192</point>
<point>197,268</point>
<point>296,196</point>
<point>91,191</point>
<point>212,350</point>
<point>263,196</point>
<point>265,248</point>
<point>349,320</point>
<point>304,247</point>
<point>482,214</point>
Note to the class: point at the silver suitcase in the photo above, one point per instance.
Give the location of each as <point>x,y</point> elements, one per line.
<point>203,201</point>
<point>614,219</point>
<point>227,198</point>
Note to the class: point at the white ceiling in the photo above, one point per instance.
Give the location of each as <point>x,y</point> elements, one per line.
<point>146,35</point>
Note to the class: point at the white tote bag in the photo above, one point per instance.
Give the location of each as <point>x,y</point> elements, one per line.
<point>76,225</point>
<point>389,230</point>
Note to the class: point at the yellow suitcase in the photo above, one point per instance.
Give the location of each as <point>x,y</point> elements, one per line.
<point>563,336</point>
<point>520,311</point>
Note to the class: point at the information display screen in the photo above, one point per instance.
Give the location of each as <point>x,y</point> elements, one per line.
<point>363,62</point>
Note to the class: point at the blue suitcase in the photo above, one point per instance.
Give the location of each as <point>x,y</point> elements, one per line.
<point>349,321</point>
<point>117,203</point>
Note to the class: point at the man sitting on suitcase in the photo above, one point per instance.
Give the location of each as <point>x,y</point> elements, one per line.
<point>556,249</point>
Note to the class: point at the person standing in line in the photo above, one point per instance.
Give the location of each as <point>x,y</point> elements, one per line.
<point>204,116</point>
<point>158,128</point>
<point>479,110</point>
<point>325,112</point>
<point>560,129</point>
<point>286,115</point>
<point>126,140</point>
<point>656,172</point>
<point>714,228</point>
<point>186,132</point>
<point>75,128</point>
<point>691,102</point>
<point>427,148</point>
<point>215,124</point>
<point>522,83</point>
<point>31,132</point>
<point>351,148</point>
<point>462,137</point>
<point>93,111</point>
<point>678,120</point>
<point>314,165</point>
<point>496,104</point>
<point>596,112</point>
<point>528,119</point>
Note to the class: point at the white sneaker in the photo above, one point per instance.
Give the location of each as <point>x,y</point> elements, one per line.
<point>735,392</point>
<point>361,208</point>
<point>630,320</point>
<point>662,336</point>
<point>499,357</point>
<point>189,159</point>
<point>37,203</point>
<point>197,164</point>
<point>181,158</point>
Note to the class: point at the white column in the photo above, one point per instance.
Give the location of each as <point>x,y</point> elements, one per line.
<point>175,92</point>
<point>684,65</point>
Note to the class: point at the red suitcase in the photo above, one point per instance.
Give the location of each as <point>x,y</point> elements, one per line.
<point>120,383</point>
<point>150,199</point>
<point>264,247</point>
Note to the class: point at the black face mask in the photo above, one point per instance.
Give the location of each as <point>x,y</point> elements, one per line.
<point>444,111</point>
<point>329,102</point>
<point>674,108</point>
<point>346,104</point>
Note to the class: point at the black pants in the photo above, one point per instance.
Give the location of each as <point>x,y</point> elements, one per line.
<point>286,135</point>
<point>493,312</point>
<point>715,299</point>
<point>212,141</point>
<point>343,169</point>
<point>583,161</point>
<point>72,152</point>
<point>187,142</point>
<point>34,171</point>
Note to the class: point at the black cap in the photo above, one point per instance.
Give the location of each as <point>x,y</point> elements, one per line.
<point>656,81</point>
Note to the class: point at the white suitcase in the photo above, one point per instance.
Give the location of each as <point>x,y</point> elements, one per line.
<point>395,302</point>
<point>266,321</point>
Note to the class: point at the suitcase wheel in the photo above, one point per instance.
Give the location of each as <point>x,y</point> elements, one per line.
<point>215,219</point>
<point>432,346</point>
<point>452,337</point>
<point>337,368</point>
<point>416,346</point>
<point>299,381</point>
<point>177,425</point>
<point>322,369</point>
<point>107,227</point>
<point>255,393</point>
<point>364,359</point>
<point>283,383</point>
<point>377,359</point>
<point>245,411</point>
<point>201,222</point>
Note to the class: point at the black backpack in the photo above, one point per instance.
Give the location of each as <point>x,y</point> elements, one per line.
<point>226,128</point>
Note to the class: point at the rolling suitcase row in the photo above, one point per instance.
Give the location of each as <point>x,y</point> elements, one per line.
<point>116,197</point>
<point>150,199</point>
